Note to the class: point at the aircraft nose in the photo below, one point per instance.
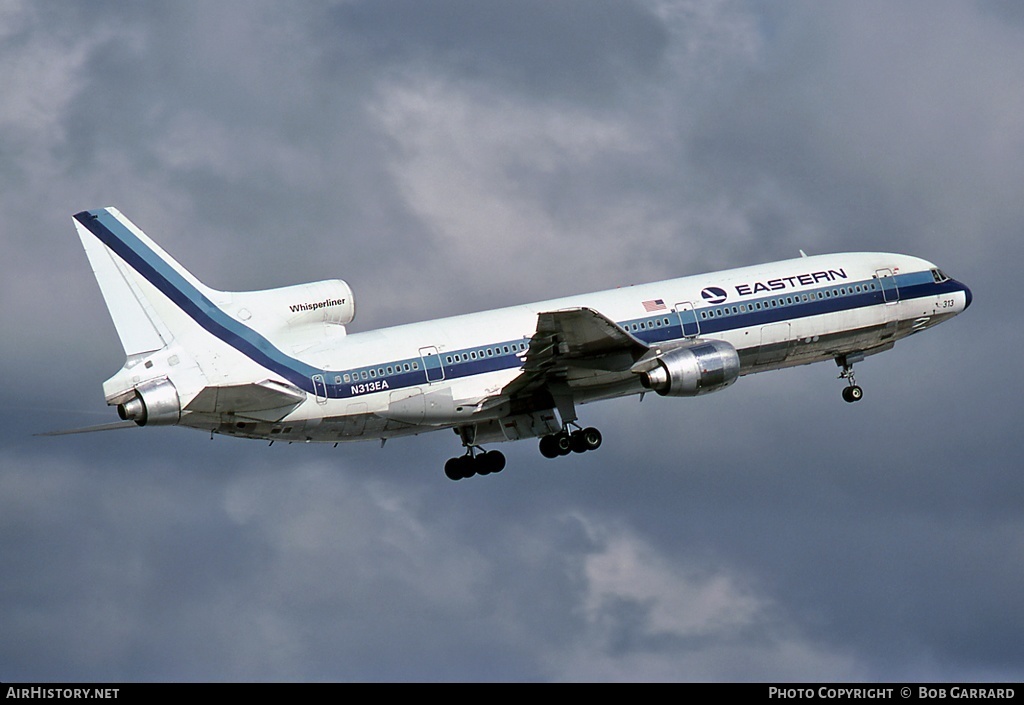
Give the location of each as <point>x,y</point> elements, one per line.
<point>968,297</point>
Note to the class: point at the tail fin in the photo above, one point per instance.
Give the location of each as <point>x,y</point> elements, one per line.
<point>205,338</point>
<point>120,254</point>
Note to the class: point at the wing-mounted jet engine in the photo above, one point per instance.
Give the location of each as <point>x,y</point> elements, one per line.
<point>699,368</point>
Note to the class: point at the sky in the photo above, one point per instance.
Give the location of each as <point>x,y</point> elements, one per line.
<point>451,156</point>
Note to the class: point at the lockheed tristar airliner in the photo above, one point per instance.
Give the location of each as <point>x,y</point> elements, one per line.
<point>280,365</point>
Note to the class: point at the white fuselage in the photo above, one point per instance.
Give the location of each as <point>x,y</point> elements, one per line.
<point>776,315</point>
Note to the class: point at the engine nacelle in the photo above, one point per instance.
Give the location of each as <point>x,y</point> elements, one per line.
<point>329,301</point>
<point>289,308</point>
<point>706,366</point>
<point>155,403</point>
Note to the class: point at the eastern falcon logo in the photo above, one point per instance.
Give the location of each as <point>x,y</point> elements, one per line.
<point>713,295</point>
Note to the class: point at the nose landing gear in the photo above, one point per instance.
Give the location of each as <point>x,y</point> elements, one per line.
<point>852,392</point>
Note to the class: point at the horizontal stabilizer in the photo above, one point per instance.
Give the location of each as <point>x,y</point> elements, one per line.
<point>259,396</point>
<point>115,426</point>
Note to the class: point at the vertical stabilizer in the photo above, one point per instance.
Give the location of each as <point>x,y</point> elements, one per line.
<point>128,296</point>
<point>173,327</point>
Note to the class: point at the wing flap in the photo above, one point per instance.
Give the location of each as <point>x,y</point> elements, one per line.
<point>573,339</point>
<point>580,336</point>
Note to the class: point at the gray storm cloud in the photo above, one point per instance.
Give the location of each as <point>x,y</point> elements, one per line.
<point>452,156</point>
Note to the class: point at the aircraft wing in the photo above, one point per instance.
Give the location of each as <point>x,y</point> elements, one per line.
<point>573,341</point>
<point>580,336</point>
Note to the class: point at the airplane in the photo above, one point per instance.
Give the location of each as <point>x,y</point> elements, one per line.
<point>280,365</point>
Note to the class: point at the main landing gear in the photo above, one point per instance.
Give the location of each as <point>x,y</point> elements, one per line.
<point>474,463</point>
<point>565,442</point>
<point>477,461</point>
<point>852,392</point>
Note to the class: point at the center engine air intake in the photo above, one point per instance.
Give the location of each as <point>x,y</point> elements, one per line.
<point>155,403</point>
<point>707,366</point>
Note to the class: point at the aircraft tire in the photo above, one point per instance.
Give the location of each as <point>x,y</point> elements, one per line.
<point>452,470</point>
<point>492,460</point>
<point>563,442</point>
<point>578,442</point>
<point>466,466</point>
<point>548,448</point>
<point>591,438</point>
<point>853,393</point>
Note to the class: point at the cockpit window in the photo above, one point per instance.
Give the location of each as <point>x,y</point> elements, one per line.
<point>939,276</point>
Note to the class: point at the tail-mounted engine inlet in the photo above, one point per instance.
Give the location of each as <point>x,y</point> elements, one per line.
<point>155,403</point>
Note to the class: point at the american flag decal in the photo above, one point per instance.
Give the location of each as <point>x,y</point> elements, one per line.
<point>654,305</point>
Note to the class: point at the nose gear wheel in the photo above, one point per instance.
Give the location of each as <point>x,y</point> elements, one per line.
<point>852,392</point>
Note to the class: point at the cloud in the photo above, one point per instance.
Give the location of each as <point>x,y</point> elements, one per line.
<point>648,616</point>
<point>452,157</point>
<point>309,575</point>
